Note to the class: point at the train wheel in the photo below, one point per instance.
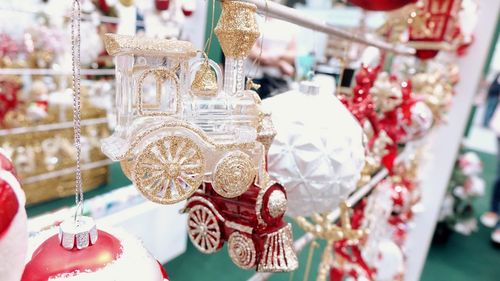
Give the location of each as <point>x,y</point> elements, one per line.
<point>203,229</point>
<point>241,250</point>
<point>169,169</point>
<point>233,174</point>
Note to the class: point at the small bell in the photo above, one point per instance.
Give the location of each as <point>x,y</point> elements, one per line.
<point>205,82</point>
<point>80,232</point>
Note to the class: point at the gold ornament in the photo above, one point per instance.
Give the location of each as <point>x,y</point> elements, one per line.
<point>127,3</point>
<point>233,174</point>
<point>241,250</point>
<point>204,82</point>
<point>322,227</point>
<point>169,170</point>
<point>237,28</point>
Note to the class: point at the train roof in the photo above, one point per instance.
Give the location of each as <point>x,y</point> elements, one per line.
<point>132,45</point>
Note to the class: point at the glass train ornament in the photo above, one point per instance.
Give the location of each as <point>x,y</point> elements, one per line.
<point>176,128</point>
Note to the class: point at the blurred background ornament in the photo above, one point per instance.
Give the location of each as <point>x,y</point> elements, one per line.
<point>435,30</point>
<point>381,5</point>
<point>13,222</point>
<point>318,161</point>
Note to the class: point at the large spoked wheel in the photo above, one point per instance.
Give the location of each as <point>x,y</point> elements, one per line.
<point>169,169</point>
<point>203,229</point>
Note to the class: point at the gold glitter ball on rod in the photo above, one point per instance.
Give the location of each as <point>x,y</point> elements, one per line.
<point>237,29</point>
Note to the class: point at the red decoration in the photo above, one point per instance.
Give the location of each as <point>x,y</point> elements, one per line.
<point>361,104</point>
<point>252,224</point>
<point>9,206</point>
<point>162,5</point>
<point>50,259</point>
<point>381,5</point>
<point>8,96</point>
<point>188,7</point>
<point>6,164</point>
<point>439,26</point>
<point>107,258</point>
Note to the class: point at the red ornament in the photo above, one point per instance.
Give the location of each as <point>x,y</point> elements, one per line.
<point>188,7</point>
<point>8,96</point>
<point>162,5</point>
<point>9,206</point>
<point>13,226</point>
<point>381,5</point>
<point>252,224</point>
<point>50,259</point>
<point>116,256</point>
<point>439,19</point>
<point>6,163</point>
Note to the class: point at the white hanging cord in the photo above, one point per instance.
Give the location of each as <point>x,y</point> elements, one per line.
<point>75,56</point>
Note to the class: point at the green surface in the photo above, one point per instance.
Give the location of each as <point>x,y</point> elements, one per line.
<point>467,258</point>
<point>116,179</point>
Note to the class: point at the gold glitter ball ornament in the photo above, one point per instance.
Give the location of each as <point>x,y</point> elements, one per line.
<point>233,174</point>
<point>237,29</point>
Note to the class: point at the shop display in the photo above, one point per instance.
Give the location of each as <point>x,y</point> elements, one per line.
<point>343,164</point>
<point>13,222</point>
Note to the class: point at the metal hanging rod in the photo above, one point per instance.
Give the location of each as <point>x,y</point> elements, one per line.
<point>291,15</point>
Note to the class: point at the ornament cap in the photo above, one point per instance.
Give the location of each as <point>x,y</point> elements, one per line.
<point>79,232</point>
<point>309,88</point>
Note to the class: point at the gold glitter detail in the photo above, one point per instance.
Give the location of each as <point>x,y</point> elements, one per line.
<point>265,130</point>
<point>127,3</point>
<point>237,29</point>
<point>203,229</point>
<point>161,74</point>
<point>205,202</point>
<point>277,203</point>
<point>241,249</point>
<point>239,227</point>
<point>260,199</point>
<point>132,45</point>
<point>126,166</point>
<point>204,82</point>
<point>169,170</point>
<point>174,124</point>
<point>278,254</point>
<point>233,174</point>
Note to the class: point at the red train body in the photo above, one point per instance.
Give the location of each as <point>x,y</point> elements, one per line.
<point>252,224</point>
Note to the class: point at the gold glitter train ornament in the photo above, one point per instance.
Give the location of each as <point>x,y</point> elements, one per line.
<point>176,127</point>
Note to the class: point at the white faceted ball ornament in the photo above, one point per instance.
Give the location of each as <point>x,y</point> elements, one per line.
<point>318,153</point>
